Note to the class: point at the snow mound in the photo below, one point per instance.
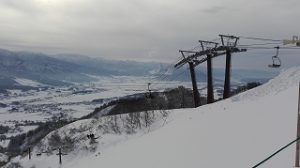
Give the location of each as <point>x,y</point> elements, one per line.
<point>3,157</point>
<point>108,132</point>
<point>28,82</point>
<point>286,79</point>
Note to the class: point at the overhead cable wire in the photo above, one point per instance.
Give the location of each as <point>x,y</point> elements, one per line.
<point>170,78</point>
<point>258,44</point>
<point>164,75</point>
<point>288,48</point>
<point>278,151</point>
<point>258,38</point>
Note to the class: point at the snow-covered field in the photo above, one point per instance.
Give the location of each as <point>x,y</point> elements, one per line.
<point>27,82</point>
<point>238,132</point>
<point>76,101</point>
<point>48,103</point>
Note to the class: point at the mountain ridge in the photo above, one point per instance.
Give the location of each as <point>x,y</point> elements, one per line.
<point>65,69</point>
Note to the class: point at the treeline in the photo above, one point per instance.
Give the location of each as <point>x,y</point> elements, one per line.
<point>180,97</point>
<point>244,88</point>
<point>22,142</point>
<point>177,98</point>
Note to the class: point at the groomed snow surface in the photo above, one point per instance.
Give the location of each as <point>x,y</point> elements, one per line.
<point>235,133</point>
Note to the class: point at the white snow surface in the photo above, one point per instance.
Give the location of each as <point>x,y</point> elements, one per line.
<point>43,104</point>
<point>238,133</point>
<point>3,157</point>
<point>28,82</point>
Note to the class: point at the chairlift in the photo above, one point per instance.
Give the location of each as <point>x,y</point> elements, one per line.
<point>149,94</point>
<point>276,60</point>
<point>92,136</point>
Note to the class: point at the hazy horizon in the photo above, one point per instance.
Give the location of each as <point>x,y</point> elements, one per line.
<point>142,30</point>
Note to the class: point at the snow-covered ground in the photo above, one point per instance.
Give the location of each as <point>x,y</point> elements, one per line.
<point>75,101</point>
<point>27,82</point>
<point>47,103</point>
<point>238,132</point>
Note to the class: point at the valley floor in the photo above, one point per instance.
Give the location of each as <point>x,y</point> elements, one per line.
<point>238,132</point>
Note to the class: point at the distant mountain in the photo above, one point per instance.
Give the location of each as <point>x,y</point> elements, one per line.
<point>161,71</point>
<point>105,67</point>
<point>65,69</point>
<point>37,67</point>
<point>62,69</point>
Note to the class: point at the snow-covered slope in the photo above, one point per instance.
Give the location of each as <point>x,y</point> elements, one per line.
<point>28,82</point>
<point>238,132</point>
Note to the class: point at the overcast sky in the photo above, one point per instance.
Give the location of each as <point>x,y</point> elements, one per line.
<point>142,30</point>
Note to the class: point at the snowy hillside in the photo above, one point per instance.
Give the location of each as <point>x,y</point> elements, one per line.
<point>238,133</point>
<point>28,70</point>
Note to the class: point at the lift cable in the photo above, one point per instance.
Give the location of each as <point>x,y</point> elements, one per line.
<point>278,151</point>
<point>165,70</point>
<point>258,44</point>
<point>164,75</point>
<point>258,38</point>
<point>288,48</point>
<point>216,39</point>
<point>196,47</point>
<point>169,78</point>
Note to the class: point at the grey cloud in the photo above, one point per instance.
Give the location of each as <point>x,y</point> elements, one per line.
<point>138,29</point>
<point>214,9</point>
<point>25,7</point>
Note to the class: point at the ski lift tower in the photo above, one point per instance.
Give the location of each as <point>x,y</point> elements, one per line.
<point>191,63</point>
<point>295,40</point>
<point>208,45</point>
<point>229,43</point>
<point>194,58</point>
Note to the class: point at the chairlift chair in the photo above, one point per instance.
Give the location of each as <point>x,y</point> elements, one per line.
<point>149,94</point>
<point>92,136</point>
<point>276,60</point>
